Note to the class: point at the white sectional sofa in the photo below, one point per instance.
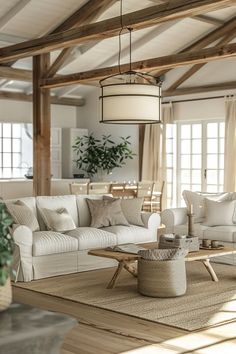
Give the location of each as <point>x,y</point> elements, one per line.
<point>210,219</point>
<point>46,253</point>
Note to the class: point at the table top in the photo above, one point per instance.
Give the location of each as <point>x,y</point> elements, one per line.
<point>192,256</point>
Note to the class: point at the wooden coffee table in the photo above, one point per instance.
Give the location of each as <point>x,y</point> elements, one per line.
<point>128,260</point>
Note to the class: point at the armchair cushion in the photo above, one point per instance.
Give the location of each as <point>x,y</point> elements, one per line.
<point>219,213</point>
<point>50,242</point>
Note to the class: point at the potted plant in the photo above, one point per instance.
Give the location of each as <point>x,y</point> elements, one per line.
<point>6,257</point>
<point>101,156</point>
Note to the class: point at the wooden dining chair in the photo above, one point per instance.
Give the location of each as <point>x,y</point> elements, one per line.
<point>157,196</point>
<point>99,187</point>
<point>144,190</point>
<point>79,188</point>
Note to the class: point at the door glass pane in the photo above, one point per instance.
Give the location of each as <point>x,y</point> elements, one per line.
<point>169,160</point>
<point>169,175</point>
<point>185,176</point>
<point>222,130</point>
<point>212,146</point>
<point>196,130</point>
<point>16,145</point>
<point>16,130</point>
<point>185,161</point>
<point>221,161</point>
<point>197,146</point>
<point>222,146</point>
<point>16,160</point>
<point>212,176</point>
<point>185,147</point>
<point>169,146</point>
<point>6,130</point>
<point>212,130</point>
<point>196,187</point>
<point>6,159</point>
<point>212,189</point>
<point>6,173</point>
<point>221,176</point>
<point>196,161</point>
<point>212,161</point>
<point>196,176</point>
<point>185,131</point>
<point>6,145</point>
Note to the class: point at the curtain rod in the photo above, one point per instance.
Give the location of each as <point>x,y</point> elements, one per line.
<point>198,99</point>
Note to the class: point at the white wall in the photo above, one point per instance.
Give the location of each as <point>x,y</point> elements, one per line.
<point>22,112</point>
<point>200,110</point>
<point>88,117</point>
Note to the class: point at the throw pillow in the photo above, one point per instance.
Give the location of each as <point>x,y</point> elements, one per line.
<point>197,200</point>
<point>58,220</point>
<point>219,213</point>
<point>131,209</point>
<point>106,213</point>
<point>23,215</point>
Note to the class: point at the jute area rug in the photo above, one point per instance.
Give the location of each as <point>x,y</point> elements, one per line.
<point>205,304</point>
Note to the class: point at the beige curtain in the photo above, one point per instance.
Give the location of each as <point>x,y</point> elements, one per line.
<point>230,145</point>
<point>154,148</point>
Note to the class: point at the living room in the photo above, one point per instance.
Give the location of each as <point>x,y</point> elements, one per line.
<point>117,176</point>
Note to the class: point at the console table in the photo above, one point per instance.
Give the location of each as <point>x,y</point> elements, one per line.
<point>29,330</point>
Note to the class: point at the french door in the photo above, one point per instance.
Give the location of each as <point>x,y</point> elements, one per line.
<point>200,157</point>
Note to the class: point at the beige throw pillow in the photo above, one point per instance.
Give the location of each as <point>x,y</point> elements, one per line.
<point>131,209</point>
<point>106,213</point>
<point>23,215</point>
<point>58,220</point>
<point>219,213</point>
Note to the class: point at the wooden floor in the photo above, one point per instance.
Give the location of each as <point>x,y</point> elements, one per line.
<point>101,331</point>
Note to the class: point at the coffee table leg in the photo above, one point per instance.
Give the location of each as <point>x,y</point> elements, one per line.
<point>210,270</point>
<point>131,268</point>
<point>116,275</point>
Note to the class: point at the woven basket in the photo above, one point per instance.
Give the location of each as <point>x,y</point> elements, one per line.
<point>162,278</point>
<point>5,295</point>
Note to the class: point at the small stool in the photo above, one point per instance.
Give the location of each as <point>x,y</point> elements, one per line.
<point>162,278</point>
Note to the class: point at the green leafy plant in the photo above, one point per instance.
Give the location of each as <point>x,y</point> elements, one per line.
<point>95,155</point>
<point>6,244</point>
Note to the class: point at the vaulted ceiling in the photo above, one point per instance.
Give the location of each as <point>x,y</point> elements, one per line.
<point>21,20</point>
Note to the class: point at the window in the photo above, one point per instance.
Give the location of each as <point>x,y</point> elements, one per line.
<point>15,151</point>
<point>198,162</point>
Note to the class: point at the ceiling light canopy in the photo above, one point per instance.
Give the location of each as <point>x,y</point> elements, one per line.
<point>130,97</point>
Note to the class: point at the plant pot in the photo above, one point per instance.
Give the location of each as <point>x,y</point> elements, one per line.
<point>5,295</point>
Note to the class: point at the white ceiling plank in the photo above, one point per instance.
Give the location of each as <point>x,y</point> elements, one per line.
<point>13,12</point>
<point>10,38</point>
<point>113,59</point>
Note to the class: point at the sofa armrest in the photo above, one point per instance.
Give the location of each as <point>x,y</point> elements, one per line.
<point>173,217</point>
<point>23,256</point>
<point>151,220</point>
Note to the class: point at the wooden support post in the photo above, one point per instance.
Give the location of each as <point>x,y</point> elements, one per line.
<point>41,128</point>
<point>141,142</point>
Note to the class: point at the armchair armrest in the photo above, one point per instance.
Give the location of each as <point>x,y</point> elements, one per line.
<point>173,217</point>
<point>151,220</point>
<point>23,256</point>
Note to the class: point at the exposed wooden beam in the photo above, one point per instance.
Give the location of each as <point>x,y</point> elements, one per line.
<point>109,28</point>
<point>20,96</point>
<point>200,89</point>
<point>166,62</point>
<point>209,19</point>
<point>207,39</point>
<point>13,12</point>
<point>203,18</point>
<point>196,68</point>
<point>41,128</point>
<point>87,14</point>
<point>15,74</point>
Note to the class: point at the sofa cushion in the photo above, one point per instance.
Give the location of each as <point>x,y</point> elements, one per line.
<point>29,201</point>
<point>57,202</point>
<point>219,213</point>
<point>89,238</point>
<point>221,233</point>
<point>58,220</point>
<point>23,215</point>
<point>131,234</point>
<point>197,200</point>
<point>50,242</point>
<point>83,209</point>
<point>131,209</point>
<point>106,213</point>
